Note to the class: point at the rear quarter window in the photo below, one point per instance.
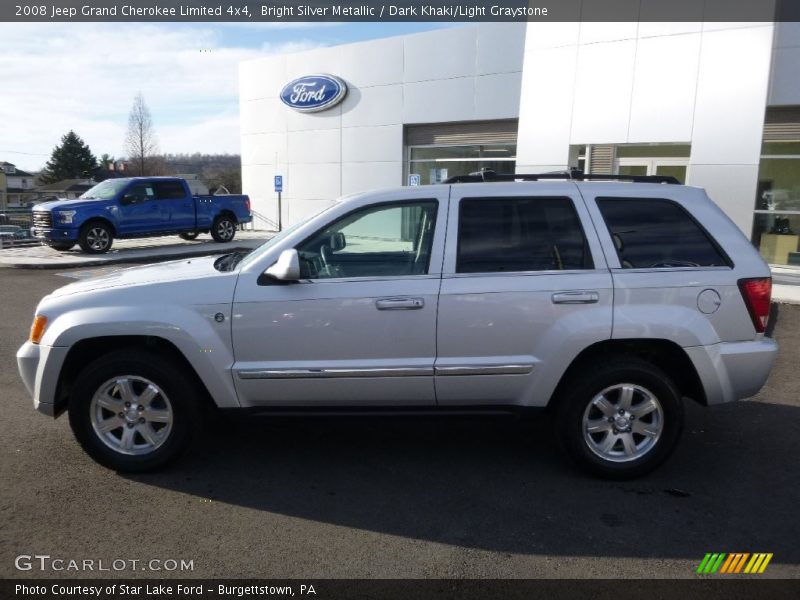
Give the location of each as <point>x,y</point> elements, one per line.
<point>655,233</point>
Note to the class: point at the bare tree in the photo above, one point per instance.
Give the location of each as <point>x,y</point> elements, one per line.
<point>140,141</point>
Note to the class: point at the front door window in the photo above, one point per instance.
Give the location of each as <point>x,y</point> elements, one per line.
<point>392,240</point>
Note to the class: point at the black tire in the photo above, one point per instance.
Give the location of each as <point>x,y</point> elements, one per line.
<point>619,462</point>
<point>96,237</point>
<point>61,246</point>
<point>189,235</point>
<point>177,396</point>
<point>223,229</point>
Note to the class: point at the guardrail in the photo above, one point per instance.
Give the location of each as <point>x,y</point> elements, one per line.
<point>262,223</point>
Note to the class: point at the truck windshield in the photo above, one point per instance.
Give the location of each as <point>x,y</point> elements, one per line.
<point>105,190</point>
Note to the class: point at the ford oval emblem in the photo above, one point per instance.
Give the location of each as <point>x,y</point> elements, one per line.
<point>313,92</point>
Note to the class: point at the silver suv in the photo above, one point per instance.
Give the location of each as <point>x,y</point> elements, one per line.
<point>607,302</point>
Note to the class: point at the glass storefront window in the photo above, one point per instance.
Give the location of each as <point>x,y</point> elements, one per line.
<point>776,227</point>
<point>653,150</point>
<point>435,164</point>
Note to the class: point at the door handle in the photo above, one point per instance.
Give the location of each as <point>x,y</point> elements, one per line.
<point>399,303</point>
<point>576,298</point>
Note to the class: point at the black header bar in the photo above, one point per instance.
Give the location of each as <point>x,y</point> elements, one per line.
<point>398,10</point>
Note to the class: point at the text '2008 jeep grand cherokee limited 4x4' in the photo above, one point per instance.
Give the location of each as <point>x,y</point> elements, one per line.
<point>609,302</point>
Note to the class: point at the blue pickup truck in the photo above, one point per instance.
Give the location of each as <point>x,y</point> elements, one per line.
<point>137,207</point>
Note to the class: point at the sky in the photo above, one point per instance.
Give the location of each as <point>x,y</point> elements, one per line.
<point>84,76</point>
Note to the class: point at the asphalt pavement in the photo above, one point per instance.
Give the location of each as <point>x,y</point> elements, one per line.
<point>476,498</point>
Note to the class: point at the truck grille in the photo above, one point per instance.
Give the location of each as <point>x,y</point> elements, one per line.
<point>42,219</point>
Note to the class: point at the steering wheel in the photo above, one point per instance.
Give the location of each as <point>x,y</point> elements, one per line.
<point>325,259</point>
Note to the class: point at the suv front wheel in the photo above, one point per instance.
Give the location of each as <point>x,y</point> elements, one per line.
<point>622,419</point>
<point>134,412</point>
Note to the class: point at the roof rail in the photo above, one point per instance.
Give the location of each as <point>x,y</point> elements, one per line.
<point>488,175</point>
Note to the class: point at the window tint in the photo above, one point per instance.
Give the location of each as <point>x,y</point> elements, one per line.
<point>520,234</point>
<point>656,233</point>
<point>170,190</point>
<point>142,192</point>
<point>377,241</point>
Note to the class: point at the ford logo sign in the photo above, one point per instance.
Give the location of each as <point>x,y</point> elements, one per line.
<point>313,93</point>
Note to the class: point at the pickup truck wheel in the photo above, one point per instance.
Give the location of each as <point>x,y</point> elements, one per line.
<point>189,235</point>
<point>61,246</point>
<point>621,420</point>
<point>223,229</point>
<point>134,412</point>
<point>96,238</point>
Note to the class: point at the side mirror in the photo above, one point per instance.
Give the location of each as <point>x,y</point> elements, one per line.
<point>286,268</point>
<point>337,241</point>
<point>127,199</point>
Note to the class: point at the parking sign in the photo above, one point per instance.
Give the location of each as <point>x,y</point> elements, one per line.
<point>413,179</point>
<point>278,183</point>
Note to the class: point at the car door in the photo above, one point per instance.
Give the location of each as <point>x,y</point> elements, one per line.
<point>140,210</point>
<point>177,205</point>
<point>525,288</point>
<point>359,329</point>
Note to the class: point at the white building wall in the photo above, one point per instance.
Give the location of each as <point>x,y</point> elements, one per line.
<point>617,83</point>
<point>449,75</point>
<point>785,83</point>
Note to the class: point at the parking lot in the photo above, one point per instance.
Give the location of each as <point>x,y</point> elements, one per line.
<point>400,498</point>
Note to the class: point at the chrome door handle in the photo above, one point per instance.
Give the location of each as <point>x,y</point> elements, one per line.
<point>399,303</point>
<point>576,298</point>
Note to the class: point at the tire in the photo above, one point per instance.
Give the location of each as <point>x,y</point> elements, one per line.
<point>189,235</point>
<point>223,229</point>
<point>157,390</point>
<point>61,246</point>
<point>625,445</point>
<point>96,237</point>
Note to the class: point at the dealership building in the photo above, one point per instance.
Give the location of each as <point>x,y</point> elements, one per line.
<point>716,105</point>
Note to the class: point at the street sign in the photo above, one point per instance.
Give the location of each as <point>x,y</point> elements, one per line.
<point>279,183</point>
<point>413,179</point>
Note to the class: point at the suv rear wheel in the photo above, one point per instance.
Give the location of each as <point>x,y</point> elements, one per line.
<point>622,419</point>
<point>134,412</point>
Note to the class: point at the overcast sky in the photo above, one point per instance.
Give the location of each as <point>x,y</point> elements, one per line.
<point>84,76</point>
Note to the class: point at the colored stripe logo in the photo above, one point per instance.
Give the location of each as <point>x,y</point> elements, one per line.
<point>737,562</point>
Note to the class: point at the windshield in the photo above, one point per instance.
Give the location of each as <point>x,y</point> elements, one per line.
<point>105,190</point>
<point>265,247</point>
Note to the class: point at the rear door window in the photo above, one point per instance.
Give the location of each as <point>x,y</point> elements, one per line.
<point>170,190</point>
<point>655,233</point>
<point>497,235</point>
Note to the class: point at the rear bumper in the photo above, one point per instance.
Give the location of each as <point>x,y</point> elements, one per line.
<point>733,370</point>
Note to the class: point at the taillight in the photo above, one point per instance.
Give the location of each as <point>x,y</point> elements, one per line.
<point>757,294</point>
<point>247,203</point>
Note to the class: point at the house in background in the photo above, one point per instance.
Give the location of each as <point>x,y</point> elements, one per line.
<point>19,184</point>
<point>64,189</point>
<point>3,200</point>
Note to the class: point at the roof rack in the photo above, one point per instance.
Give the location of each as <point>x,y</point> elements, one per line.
<point>489,175</point>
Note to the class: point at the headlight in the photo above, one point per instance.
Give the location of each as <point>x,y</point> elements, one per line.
<point>37,328</point>
<point>65,216</point>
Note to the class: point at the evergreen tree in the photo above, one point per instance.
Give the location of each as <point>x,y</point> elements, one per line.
<point>71,160</point>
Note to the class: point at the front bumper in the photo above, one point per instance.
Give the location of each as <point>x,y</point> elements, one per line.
<point>733,370</point>
<point>39,367</point>
<point>57,234</point>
